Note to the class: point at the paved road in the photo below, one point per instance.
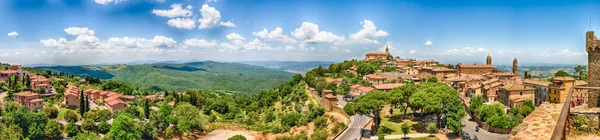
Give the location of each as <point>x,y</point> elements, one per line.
<point>353,131</point>
<point>417,135</point>
<point>356,124</point>
<point>482,134</point>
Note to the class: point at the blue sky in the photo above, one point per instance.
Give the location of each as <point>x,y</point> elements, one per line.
<point>102,31</point>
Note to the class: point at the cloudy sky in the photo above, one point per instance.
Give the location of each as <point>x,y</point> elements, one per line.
<point>70,32</point>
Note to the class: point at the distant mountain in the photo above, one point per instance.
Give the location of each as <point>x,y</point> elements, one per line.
<point>207,75</point>
<point>290,66</point>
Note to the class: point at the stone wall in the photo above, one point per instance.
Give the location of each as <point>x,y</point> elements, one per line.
<point>593,67</point>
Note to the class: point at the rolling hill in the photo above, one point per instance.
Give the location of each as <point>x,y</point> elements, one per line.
<point>207,75</point>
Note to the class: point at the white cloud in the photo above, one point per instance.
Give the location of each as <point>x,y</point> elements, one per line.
<point>228,47</point>
<point>160,1</point>
<point>258,45</point>
<point>368,33</point>
<point>131,42</point>
<point>211,1</point>
<point>289,48</point>
<point>17,53</point>
<point>13,34</point>
<point>176,11</point>
<point>346,50</point>
<point>189,7</point>
<point>199,43</point>
<point>79,31</point>
<point>182,23</point>
<point>234,36</point>
<point>464,51</point>
<point>211,18</point>
<point>104,2</point>
<point>411,52</point>
<point>80,42</point>
<point>274,35</point>
<point>227,24</point>
<point>428,43</point>
<point>43,52</point>
<point>310,33</point>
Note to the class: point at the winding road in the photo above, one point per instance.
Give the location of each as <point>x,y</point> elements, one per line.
<point>482,134</point>
<point>356,124</point>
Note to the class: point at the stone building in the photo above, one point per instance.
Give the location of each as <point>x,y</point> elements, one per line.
<point>541,89</point>
<point>559,89</point>
<point>71,97</point>
<point>378,55</point>
<point>592,46</point>
<point>514,94</point>
<point>30,100</point>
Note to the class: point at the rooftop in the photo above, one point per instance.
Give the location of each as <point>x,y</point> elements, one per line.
<point>26,93</point>
<point>537,82</point>
<point>516,87</point>
<point>387,86</point>
<point>476,66</point>
<point>564,78</point>
<point>373,76</point>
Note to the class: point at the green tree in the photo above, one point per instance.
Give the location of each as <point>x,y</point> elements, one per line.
<point>71,116</point>
<point>530,104</point>
<point>562,74</point>
<point>366,68</point>
<point>432,80</point>
<point>405,128</point>
<point>123,128</point>
<point>81,103</point>
<point>580,70</point>
<point>10,132</point>
<point>525,110</point>
<point>52,129</point>
<point>187,117</point>
<point>400,96</point>
<point>51,111</point>
<point>319,135</point>
<point>72,129</point>
<point>369,105</point>
<point>148,131</point>
<point>237,137</point>
<point>432,128</point>
<point>454,114</point>
<point>86,136</point>
<point>35,131</point>
<point>103,127</point>
<point>500,121</point>
<point>475,102</point>
<point>487,111</point>
<point>88,124</point>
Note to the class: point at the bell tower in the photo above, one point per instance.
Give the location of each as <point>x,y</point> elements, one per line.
<point>387,50</point>
<point>515,69</point>
<point>488,60</point>
<point>593,51</point>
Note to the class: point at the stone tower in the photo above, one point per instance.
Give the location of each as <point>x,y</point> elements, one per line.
<point>593,51</point>
<point>387,50</point>
<point>488,60</point>
<point>515,67</point>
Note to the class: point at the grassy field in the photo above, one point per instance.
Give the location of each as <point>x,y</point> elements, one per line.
<point>61,114</point>
<point>393,123</point>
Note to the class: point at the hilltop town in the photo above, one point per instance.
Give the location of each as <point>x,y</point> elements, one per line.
<point>380,96</point>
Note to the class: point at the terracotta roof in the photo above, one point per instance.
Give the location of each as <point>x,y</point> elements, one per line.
<point>26,93</point>
<point>130,97</point>
<point>111,98</point>
<point>377,53</point>
<point>103,93</point>
<point>373,76</point>
<point>115,102</point>
<point>154,97</point>
<point>387,86</point>
<point>355,86</point>
<point>8,72</point>
<point>564,78</point>
<point>111,94</point>
<point>365,89</point>
<point>443,69</point>
<point>516,87</point>
<point>537,82</point>
<point>580,83</point>
<point>40,80</point>
<point>503,74</point>
<point>337,80</point>
<point>476,66</point>
<point>36,100</point>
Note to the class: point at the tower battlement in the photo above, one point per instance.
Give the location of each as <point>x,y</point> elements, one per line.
<point>592,46</point>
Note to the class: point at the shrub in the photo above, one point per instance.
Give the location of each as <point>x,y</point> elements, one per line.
<point>319,135</point>
<point>432,128</point>
<point>88,124</point>
<point>72,129</point>
<point>103,127</point>
<point>71,116</point>
<point>52,129</point>
<point>52,112</point>
<point>168,133</point>
<point>237,137</point>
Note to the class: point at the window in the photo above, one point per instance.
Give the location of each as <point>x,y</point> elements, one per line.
<point>521,93</point>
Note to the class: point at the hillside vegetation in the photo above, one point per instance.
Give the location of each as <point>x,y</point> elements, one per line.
<point>207,75</point>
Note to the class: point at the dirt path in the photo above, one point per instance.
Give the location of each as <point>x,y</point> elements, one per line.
<point>225,134</point>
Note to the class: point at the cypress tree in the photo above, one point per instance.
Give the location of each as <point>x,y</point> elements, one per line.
<point>81,103</point>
